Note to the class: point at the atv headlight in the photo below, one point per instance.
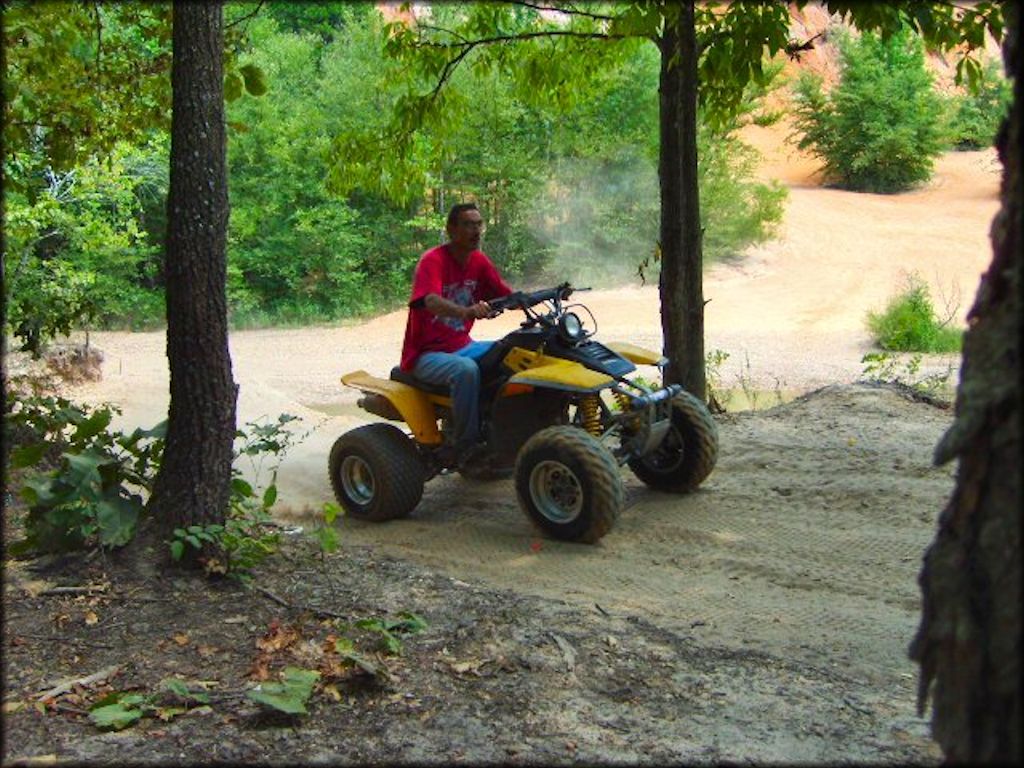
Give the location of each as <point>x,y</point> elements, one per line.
<point>571,327</point>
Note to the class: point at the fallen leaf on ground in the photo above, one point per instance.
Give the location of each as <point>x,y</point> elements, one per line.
<point>181,638</point>
<point>470,665</point>
<point>91,618</point>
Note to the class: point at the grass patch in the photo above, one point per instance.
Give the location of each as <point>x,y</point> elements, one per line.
<point>910,324</point>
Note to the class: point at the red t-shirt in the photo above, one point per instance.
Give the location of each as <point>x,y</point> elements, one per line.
<point>438,272</point>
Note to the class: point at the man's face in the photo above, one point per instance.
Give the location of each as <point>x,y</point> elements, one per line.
<point>468,230</point>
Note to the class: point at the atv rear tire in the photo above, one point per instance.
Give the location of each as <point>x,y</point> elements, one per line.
<point>568,484</point>
<point>687,454</point>
<point>376,472</point>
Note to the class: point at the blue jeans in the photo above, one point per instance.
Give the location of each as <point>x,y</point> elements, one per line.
<point>460,373</point>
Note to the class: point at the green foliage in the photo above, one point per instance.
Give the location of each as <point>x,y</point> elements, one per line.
<point>86,484</point>
<point>81,77</point>
<point>713,360</point>
<point>977,115</point>
<point>119,709</point>
<point>248,535</point>
<point>325,534</point>
<point>910,324</point>
<point>886,367</point>
<point>390,629</point>
<point>93,494</point>
<point>291,694</point>
<point>879,129</point>
<point>81,248</point>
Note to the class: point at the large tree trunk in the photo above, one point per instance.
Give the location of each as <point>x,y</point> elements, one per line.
<point>680,284</point>
<point>968,643</point>
<point>193,485</point>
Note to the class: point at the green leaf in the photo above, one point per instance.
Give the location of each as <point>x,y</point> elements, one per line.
<point>331,512</point>
<point>408,622</point>
<point>270,496</point>
<point>27,455</point>
<point>327,538</point>
<point>117,518</point>
<point>176,686</point>
<point>290,695</point>
<point>84,467</point>
<point>255,79</point>
<point>241,487</point>
<point>177,549</point>
<point>121,711</point>
<point>359,660</point>
<point>92,426</point>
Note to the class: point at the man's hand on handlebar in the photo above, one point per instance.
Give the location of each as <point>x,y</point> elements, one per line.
<point>479,311</point>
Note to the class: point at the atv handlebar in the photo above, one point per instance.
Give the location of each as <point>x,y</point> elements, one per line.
<point>521,300</point>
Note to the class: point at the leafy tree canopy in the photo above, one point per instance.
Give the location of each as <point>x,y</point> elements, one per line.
<point>549,49</point>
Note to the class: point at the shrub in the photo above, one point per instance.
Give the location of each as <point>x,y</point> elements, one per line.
<point>909,324</point>
<point>976,116</point>
<point>880,128</point>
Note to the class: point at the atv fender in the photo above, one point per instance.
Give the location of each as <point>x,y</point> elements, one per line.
<point>635,354</point>
<point>415,407</point>
<point>567,375</point>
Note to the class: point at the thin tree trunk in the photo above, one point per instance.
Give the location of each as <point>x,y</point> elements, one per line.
<point>968,642</point>
<point>193,485</point>
<point>680,283</point>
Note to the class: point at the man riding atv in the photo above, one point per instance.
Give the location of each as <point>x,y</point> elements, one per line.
<point>449,292</point>
<point>546,403</point>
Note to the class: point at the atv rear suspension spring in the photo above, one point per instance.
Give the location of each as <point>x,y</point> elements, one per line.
<point>590,414</point>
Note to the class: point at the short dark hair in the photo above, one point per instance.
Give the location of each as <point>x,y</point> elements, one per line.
<point>456,211</point>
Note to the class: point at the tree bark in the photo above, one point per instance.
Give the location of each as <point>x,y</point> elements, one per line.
<point>968,641</point>
<point>193,485</point>
<point>681,281</point>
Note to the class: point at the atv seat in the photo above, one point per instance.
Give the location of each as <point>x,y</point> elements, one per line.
<point>397,374</point>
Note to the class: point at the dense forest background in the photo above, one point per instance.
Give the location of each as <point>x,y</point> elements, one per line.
<point>569,190</point>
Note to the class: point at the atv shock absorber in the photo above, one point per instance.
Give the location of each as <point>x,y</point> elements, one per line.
<point>621,400</point>
<point>590,414</point>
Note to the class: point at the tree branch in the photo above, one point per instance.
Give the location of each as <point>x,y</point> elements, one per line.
<point>568,10</point>
<point>247,16</point>
<point>521,36</point>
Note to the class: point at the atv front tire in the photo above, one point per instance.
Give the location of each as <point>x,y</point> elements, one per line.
<point>569,484</point>
<point>376,472</point>
<point>687,454</point>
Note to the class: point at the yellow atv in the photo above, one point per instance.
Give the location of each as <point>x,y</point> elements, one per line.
<point>556,410</point>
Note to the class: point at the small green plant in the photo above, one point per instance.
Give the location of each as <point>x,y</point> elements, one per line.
<point>325,534</point>
<point>910,323</point>
<point>389,629</point>
<point>713,360</point>
<point>291,694</point>
<point>119,710</point>
<point>746,381</point>
<point>86,481</point>
<point>888,368</point>
<point>248,534</point>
